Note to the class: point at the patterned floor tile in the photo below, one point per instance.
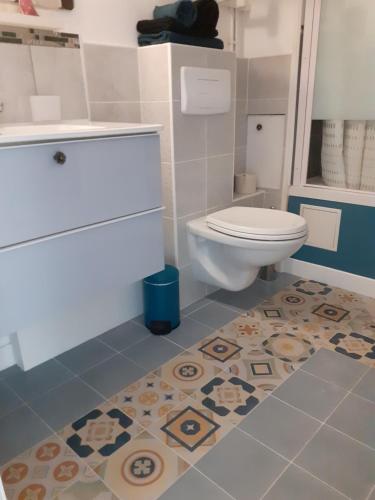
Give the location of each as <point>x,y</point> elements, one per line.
<point>144,469</point>
<point>100,433</point>
<point>262,370</point>
<point>191,430</point>
<point>289,347</point>
<point>219,351</point>
<point>42,472</point>
<point>354,345</point>
<point>229,397</point>
<point>148,399</point>
<point>188,372</point>
<point>88,487</point>
<point>246,330</point>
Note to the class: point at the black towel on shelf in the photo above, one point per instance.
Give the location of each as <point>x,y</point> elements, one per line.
<point>155,26</point>
<point>207,16</point>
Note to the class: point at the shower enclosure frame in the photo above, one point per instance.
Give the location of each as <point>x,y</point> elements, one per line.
<point>308,63</point>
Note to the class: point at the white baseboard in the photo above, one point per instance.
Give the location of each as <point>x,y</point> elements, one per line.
<point>334,277</point>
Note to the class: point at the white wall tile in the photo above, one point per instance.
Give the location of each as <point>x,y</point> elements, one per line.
<point>240,160</point>
<point>220,133</point>
<point>16,83</point>
<point>167,188</point>
<point>115,111</point>
<point>170,250</point>
<point>182,235</point>
<point>191,289</point>
<point>184,55</point>
<point>190,187</point>
<point>112,73</point>
<point>159,112</point>
<point>223,60</point>
<point>241,124</point>
<point>189,135</point>
<point>220,175</point>
<point>154,73</point>
<point>242,78</point>
<point>59,71</point>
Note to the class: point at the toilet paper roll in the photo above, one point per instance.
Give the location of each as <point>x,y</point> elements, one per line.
<point>245,183</point>
<point>45,108</point>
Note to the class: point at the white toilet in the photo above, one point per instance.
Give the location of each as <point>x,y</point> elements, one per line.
<point>229,247</point>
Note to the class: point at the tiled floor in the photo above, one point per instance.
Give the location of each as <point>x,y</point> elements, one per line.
<point>264,394</point>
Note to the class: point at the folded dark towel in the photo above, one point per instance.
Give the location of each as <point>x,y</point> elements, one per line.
<point>207,15</point>
<point>183,11</point>
<point>169,24</point>
<point>171,37</point>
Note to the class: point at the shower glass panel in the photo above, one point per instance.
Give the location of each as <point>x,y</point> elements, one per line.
<point>342,145</point>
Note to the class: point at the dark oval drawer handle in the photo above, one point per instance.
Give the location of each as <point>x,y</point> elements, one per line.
<point>60,158</point>
<point>259,126</point>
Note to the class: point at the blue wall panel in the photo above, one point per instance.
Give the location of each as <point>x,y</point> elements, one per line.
<point>356,248</point>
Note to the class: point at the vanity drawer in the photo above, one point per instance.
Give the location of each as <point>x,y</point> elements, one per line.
<point>48,276</point>
<point>100,180</point>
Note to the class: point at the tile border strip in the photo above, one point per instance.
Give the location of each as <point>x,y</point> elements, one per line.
<point>18,35</point>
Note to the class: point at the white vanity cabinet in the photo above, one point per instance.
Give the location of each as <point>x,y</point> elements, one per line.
<point>77,218</point>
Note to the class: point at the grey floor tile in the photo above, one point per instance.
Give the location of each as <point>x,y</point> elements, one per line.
<point>9,400</point>
<point>189,333</point>
<point>372,496</point>
<point>214,315</point>
<point>366,386</point>
<point>194,486</point>
<point>36,382</point>
<point>66,404</point>
<point>335,367</point>
<point>194,307</point>
<point>244,300</point>
<point>242,466</point>
<point>12,370</point>
<point>341,462</point>
<point>280,427</point>
<point>311,395</point>
<point>113,375</point>
<point>296,484</point>
<point>86,356</point>
<point>124,336</point>
<point>19,431</point>
<point>152,352</point>
<point>356,417</point>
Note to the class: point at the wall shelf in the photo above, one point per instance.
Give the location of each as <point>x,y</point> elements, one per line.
<point>240,197</point>
<point>17,19</point>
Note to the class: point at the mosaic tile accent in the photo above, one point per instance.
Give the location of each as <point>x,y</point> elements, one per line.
<point>191,430</point>
<point>31,36</point>
<point>311,288</point>
<point>188,372</point>
<point>356,346</point>
<point>262,370</point>
<point>42,472</point>
<point>143,469</point>
<point>220,350</point>
<point>246,331</point>
<point>288,347</point>
<point>100,433</point>
<point>147,400</point>
<point>230,397</point>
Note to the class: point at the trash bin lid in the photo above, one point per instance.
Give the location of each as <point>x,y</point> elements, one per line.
<point>167,277</point>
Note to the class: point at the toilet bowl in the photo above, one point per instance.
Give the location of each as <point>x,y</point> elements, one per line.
<point>229,247</point>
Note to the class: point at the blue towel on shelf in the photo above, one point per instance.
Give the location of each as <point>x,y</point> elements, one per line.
<point>171,37</point>
<point>184,11</point>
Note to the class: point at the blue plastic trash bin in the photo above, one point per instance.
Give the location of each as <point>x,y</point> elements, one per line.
<point>161,297</point>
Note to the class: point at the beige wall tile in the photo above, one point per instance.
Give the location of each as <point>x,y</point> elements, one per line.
<point>190,187</point>
<point>269,77</point>
<point>191,289</point>
<point>170,250</point>
<point>220,175</point>
<point>242,78</point>
<point>220,133</point>
<point>154,73</point>
<point>115,111</point>
<point>159,112</point>
<point>182,234</point>
<point>189,135</point>
<point>183,55</point>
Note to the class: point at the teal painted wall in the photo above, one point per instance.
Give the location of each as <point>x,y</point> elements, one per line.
<point>356,248</point>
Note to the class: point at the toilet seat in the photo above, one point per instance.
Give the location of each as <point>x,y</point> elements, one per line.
<point>258,224</point>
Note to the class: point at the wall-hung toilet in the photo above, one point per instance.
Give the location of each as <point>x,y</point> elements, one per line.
<point>229,247</point>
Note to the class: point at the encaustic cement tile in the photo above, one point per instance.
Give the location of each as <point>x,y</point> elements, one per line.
<point>88,487</point>
<point>354,345</point>
<point>191,430</point>
<point>246,331</point>
<point>42,472</point>
<point>143,469</point>
<point>100,433</point>
<point>188,372</point>
<point>261,370</point>
<point>288,347</point>
<point>229,397</point>
<point>148,399</point>
<point>217,350</point>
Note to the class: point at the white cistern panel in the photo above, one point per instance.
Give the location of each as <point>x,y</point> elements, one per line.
<point>205,91</point>
<point>265,149</point>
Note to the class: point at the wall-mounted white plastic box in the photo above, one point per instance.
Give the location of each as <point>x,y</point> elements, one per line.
<point>205,91</point>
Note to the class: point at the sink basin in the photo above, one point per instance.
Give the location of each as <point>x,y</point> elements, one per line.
<point>38,132</point>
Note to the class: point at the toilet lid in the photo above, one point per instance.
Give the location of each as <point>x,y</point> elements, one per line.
<point>258,223</point>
